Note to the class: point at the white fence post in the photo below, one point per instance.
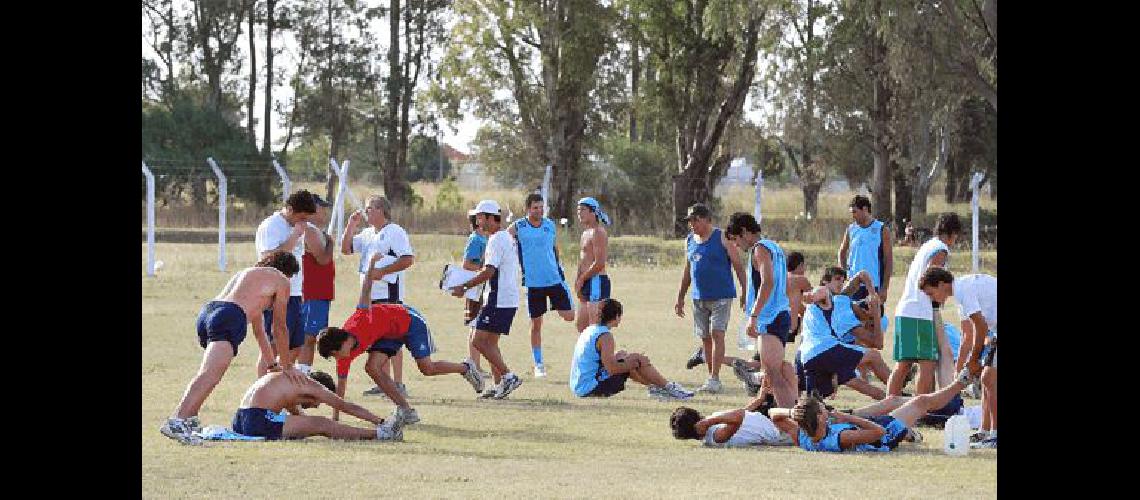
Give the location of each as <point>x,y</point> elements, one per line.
<point>222,197</point>
<point>975,183</point>
<point>149,219</point>
<point>338,219</point>
<point>546,191</point>
<point>758,211</point>
<point>286,184</point>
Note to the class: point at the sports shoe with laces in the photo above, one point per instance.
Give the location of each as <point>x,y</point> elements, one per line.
<point>740,369</point>
<point>913,436</point>
<point>510,383</point>
<point>389,430</point>
<point>676,391</point>
<point>193,424</point>
<point>979,436</point>
<point>176,429</point>
<point>658,393</point>
<point>539,371</point>
<point>490,392</point>
<point>472,376</point>
<point>405,416</point>
<point>696,359</point>
<point>988,443</point>
<point>711,386</point>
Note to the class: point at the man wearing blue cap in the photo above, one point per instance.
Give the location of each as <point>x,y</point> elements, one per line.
<point>592,284</point>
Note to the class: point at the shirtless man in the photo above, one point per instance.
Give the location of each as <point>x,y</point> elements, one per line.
<point>798,285</point>
<point>222,327</point>
<point>592,284</point>
<point>260,411</point>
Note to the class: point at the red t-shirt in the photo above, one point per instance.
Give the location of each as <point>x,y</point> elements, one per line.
<point>318,280</point>
<point>382,321</point>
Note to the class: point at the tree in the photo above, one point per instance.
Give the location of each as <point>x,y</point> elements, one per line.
<point>216,27</point>
<point>697,45</point>
<point>969,47</point>
<point>493,44</point>
<point>426,161</point>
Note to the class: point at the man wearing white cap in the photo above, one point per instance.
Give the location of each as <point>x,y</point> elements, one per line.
<point>501,271</point>
<point>592,284</point>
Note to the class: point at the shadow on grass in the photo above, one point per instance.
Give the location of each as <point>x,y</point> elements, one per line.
<point>610,406</point>
<point>527,435</point>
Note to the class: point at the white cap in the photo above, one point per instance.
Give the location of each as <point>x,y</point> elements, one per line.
<point>486,207</point>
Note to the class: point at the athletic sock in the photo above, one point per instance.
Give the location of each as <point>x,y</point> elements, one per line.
<point>537,352</point>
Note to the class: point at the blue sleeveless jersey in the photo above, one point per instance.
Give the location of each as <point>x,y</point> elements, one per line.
<point>818,334</point>
<point>586,368</point>
<point>863,252</point>
<point>843,319</point>
<point>778,300</point>
<point>830,442</point>
<point>710,267</point>
<point>536,253</point>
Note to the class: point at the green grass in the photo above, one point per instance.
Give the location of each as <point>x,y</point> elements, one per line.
<point>542,442</point>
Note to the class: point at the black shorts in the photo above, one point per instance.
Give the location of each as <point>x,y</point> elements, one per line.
<point>610,386</point>
<point>795,330</point>
<point>536,298</point>
<point>259,422</point>
<point>990,359</point>
<point>294,322</point>
<point>839,362</point>
<point>779,327</point>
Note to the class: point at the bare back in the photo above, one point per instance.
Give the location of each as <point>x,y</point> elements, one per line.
<point>273,391</point>
<point>593,242</point>
<point>254,288</point>
<point>797,285</point>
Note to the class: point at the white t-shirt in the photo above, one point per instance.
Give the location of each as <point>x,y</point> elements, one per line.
<point>913,303</point>
<point>756,429</point>
<point>503,287</point>
<point>392,241</point>
<point>977,292</point>
<point>271,233</point>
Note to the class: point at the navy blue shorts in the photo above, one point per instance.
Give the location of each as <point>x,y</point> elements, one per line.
<point>839,361</point>
<point>418,339</point>
<point>536,298</point>
<point>495,319</point>
<point>779,327</point>
<point>610,386</point>
<point>316,314</point>
<point>896,430</point>
<point>294,323</point>
<point>219,320</point>
<point>596,288</point>
<point>259,422</point>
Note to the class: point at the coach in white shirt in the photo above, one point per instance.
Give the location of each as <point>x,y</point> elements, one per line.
<point>502,272</point>
<point>385,252</point>
<point>284,231</point>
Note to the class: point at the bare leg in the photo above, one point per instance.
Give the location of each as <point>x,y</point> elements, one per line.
<point>488,344</point>
<point>306,356</point>
<point>772,361</point>
<point>944,367</point>
<point>865,388</point>
<point>472,351</point>
<point>924,382</point>
<point>215,361</point>
<point>431,368</point>
<point>717,353</point>
<point>584,315</point>
<point>898,378</point>
<point>646,372</point>
<point>398,366</point>
<point>707,346</point>
<point>873,362</point>
<point>374,368</point>
<point>882,407</point>
<point>536,333</point>
<point>989,390</point>
<point>920,405</point>
<point>567,315</point>
<point>302,426</point>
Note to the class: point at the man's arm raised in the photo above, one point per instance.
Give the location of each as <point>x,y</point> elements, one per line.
<point>338,404</point>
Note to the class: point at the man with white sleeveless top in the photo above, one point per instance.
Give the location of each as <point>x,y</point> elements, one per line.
<point>915,338</point>
<point>385,252</point>
<point>285,231</point>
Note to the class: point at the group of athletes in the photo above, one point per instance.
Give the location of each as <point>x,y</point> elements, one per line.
<point>286,296</point>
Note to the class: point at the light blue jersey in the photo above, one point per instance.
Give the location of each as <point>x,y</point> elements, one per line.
<point>830,442</point>
<point>864,251</point>
<point>843,319</point>
<point>778,299</point>
<point>586,368</point>
<point>818,335</point>
<point>540,265</point>
<point>476,245</point>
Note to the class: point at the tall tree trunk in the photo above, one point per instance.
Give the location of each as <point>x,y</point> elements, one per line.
<point>270,24</point>
<point>648,123</point>
<point>902,199</point>
<point>635,73</point>
<point>880,118</point>
<point>950,190</point>
<point>251,6</point>
<point>395,185</point>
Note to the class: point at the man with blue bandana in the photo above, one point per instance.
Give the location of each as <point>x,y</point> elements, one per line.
<point>592,284</point>
<point>536,237</point>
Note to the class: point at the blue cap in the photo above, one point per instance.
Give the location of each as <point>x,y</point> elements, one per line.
<point>596,207</point>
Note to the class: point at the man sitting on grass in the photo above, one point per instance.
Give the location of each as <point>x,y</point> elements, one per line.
<point>597,371</point>
<point>878,427</point>
<point>260,411</point>
<point>748,426</point>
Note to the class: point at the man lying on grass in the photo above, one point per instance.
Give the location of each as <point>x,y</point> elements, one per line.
<point>748,426</point>
<point>877,427</point>
<point>260,411</point>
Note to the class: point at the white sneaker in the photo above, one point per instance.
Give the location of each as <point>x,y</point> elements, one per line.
<point>406,416</point>
<point>676,391</point>
<point>711,386</point>
<point>510,383</point>
<point>176,429</point>
<point>389,430</point>
<point>193,424</point>
<point>472,376</point>
<point>539,371</point>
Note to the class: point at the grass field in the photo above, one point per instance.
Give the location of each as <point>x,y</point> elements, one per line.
<point>542,442</point>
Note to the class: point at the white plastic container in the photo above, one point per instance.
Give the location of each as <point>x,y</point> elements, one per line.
<point>956,436</point>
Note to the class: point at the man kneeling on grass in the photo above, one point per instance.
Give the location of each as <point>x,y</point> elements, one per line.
<point>748,426</point>
<point>260,411</point>
<point>597,371</point>
<point>878,427</point>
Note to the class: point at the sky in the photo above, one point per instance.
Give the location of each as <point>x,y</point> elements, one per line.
<point>459,135</point>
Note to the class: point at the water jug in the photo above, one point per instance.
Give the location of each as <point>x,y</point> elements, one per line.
<point>956,436</point>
